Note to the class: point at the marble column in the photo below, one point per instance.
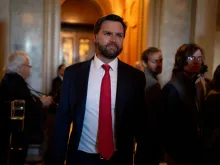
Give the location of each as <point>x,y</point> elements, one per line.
<point>26,34</point>
<point>4,33</point>
<point>51,47</point>
<point>153,21</point>
<point>205,30</point>
<point>175,30</point>
<point>34,28</point>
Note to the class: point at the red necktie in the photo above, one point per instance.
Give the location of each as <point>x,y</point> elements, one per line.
<point>105,132</point>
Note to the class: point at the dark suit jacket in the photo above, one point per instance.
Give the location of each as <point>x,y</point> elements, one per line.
<point>13,87</point>
<point>181,118</point>
<point>55,93</point>
<point>212,127</point>
<point>155,122</point>
<point>129,113</point>
<point>56,87</point>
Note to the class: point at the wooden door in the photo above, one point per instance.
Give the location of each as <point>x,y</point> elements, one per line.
<point>77,43</point>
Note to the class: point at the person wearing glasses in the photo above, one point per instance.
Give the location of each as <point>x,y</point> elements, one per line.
<point>181,110</point>
<point>14,87</point>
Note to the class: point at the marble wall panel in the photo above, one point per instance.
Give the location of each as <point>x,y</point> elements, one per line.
<point>26,22</point>
<point>174,31</point>
<point>4,33</point>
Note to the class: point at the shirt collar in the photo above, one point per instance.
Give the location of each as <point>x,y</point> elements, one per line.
<point>98,63</point>
<point>61,77</point>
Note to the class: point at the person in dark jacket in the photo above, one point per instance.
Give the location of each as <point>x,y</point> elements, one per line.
<point>51,115</point>
<point>152,60</point>
<point>181,113</point>
<point>211,120</point>
<point>56,83</point>
<point>14,87</point>
<point>107,119</point>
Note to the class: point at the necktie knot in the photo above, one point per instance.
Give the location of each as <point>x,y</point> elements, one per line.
<point>106,67</point>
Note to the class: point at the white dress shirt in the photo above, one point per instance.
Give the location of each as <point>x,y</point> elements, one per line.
<point>88,140</point>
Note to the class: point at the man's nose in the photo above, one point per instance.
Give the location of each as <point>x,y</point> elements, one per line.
<point>113,38</point>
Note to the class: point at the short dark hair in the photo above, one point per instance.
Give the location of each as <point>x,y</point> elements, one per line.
<point>215,83</point>
<point>183,52</point>
<point>110,17</point>
<point>145,55</point>
<point>59,67</point>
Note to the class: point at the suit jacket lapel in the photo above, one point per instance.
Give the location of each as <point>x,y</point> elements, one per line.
<point>81,88</point>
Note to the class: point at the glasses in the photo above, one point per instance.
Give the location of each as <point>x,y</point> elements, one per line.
<point>27,65</point>
<point>192,58</point>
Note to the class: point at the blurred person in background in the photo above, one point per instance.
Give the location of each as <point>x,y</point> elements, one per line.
<point>14,87</point>
<point>51,115</point>
<point>152,61</point>
<point>56,85</point>
<point>211,120</point>
<point>181,110</point>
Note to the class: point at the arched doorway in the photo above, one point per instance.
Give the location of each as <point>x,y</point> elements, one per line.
<point>134,13</point>
<point>77,21</point>
<point>86,12</point>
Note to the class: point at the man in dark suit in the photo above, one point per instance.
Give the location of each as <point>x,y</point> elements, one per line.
<point>104,99</point>
<point>51,115</point>
<point>57,82</point>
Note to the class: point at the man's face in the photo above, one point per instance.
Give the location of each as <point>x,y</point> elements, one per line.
<point>109,40</point>
<point>194,62</point>
<point>25,69</point>
<point>155,62</point>
<point>61,71</point>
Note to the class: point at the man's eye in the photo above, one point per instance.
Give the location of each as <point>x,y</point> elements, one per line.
<point>120,35</point>
<point>108,33</point>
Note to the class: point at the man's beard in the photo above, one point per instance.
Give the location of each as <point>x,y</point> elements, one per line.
<point>110,54</point>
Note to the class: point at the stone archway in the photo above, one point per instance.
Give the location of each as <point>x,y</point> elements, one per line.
<point>134,13</point>
<point>106,6</point>
<point>80,12</point>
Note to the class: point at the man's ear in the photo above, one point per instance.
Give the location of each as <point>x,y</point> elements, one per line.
<point>143,63</point>
<point>95,38</point>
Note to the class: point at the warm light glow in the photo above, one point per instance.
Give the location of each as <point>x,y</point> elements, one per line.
<point>68,50</point>
<point>27,45</point>
<point>83,49</point>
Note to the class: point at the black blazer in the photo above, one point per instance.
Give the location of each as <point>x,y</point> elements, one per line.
<point>56,87</point>
<point>13,87</point>
<point>181,120</point>
<point>129,113</point>
<point>55,93</point>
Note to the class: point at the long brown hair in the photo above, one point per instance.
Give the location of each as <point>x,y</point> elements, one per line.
<point>182,53</point>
